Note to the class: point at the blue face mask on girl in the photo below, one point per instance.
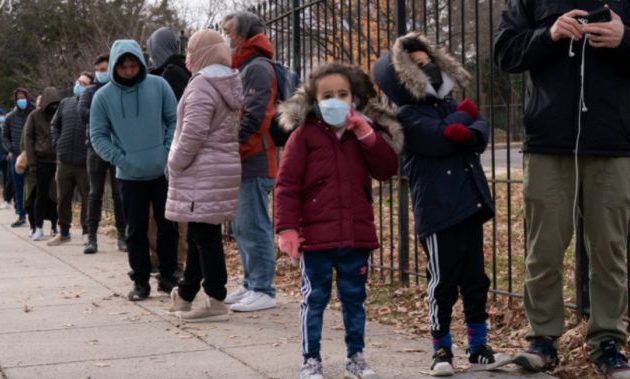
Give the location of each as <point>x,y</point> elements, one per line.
<point>21,103</point>
<point>334,112</point>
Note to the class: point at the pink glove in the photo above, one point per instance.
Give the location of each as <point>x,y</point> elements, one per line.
<point>359,125</point>
<point>458,133</point>
<point>289,242</point>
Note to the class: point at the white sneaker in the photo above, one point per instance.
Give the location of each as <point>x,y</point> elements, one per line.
<point>210,310</point>
<point>254,301</point>
<point>236,296</point>
<point>4,205</point>
<point>38,235</point>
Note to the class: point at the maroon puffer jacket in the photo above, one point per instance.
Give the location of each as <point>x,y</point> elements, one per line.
<point>324,185</point>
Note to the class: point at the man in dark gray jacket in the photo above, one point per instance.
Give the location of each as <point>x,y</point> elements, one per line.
<point>11,137</point>
<point>68,140</point>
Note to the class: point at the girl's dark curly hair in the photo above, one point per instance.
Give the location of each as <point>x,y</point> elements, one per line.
<point>360,83</point>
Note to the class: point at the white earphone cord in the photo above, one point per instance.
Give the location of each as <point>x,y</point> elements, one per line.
<point>582,109</point>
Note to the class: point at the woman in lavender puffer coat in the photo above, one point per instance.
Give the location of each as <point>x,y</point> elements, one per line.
<point>205,173</point>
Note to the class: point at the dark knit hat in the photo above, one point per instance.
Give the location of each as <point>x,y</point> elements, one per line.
<point>411,45</point>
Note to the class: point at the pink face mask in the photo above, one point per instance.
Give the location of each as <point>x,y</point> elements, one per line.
<point>188,63</point>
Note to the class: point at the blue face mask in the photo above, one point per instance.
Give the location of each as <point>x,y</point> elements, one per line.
<point>21,103</point>
<point>102,77</point>
<point>2,119</point>
<point>78,90</point>
<point>334,112</point>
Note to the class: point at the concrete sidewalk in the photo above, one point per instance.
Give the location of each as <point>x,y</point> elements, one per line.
<point>65,315</point>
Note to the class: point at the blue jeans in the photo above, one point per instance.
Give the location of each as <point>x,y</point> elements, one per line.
<point>254,235</point>
<point>18,188</point>
<point>352,270</point>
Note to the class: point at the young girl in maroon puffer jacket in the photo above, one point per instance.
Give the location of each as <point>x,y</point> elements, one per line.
<point>323,192</point>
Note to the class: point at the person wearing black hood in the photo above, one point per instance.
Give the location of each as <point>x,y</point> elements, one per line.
<point>167,61</point>
<point>11,137</point>
<point>98,168</point>
<point>40,154</point>
<point>7,183</point>
<point>451,198</point>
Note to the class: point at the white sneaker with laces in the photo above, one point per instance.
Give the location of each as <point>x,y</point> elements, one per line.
<point>357,368</point>
<point>254,301</point>
<point>38,235</point>
<point>312,369</point>
<point>236,296</point>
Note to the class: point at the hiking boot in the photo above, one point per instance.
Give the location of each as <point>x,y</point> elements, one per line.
<point>541,355</point>
<point>254,301</point>
<point>92,246</point>
<point>59,239</point>
<point>611,363</point>
<point>312,369</point>
<point>38,235</point>
<point>357,368</point>
<point>210,310</point>
<point>178,304</point>
<point>19,222</point>
<point>486,359</point>
<point>139,292</point>
<point>236,296</point>
<point>442,363</point>
<point>166,284</point>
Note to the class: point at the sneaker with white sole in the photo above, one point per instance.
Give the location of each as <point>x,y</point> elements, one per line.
<point>611,363</point>
<point>254,301</point>
<point>38,235</point>
<point>58,240</point>
<point>542,355</point>
<point>312,369</point>
<point>484,358</point>
<point>357,368</point>
<point>236,296</point>
<point>442,363</point>
<point>209,311</point>
<point>178,304</point>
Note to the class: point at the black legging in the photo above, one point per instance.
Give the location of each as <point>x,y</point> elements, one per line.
<point>45,175</point>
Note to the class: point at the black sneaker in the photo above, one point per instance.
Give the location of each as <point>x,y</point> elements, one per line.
<point>91,247</point>
<point>484,358</point>
<point>19,222</point>
<point>139,292</point>
<point>541,355</point>
<point>442,363</point>
<point>166,284</point>
<point>122,245</point>
<point>611,363</point>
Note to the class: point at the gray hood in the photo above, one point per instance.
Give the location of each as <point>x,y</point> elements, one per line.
<point>162,44</point>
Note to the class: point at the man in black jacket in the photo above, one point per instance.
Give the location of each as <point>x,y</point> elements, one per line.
<point>577,159</point>
<point>68,140</point>
<point>98,169</point>
<point>11,137</point>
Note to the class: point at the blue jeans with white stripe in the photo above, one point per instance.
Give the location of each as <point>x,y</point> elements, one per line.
<point>456,266</point>
<point>352,270</point>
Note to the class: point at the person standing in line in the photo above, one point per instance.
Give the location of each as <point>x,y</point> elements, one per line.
<point>205,173</point>
<point>99,170</point>
<point>132,121</point>
<point>11,138</point>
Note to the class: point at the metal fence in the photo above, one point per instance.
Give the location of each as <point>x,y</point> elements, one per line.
<point>307,33</point>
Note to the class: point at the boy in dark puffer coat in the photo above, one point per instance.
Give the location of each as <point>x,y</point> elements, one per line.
<point>450,193</point>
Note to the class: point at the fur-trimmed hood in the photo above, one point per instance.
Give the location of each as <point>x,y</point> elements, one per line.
<point>295,111</point>
<point>404,82</point>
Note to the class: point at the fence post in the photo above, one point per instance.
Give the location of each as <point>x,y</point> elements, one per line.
<point>403,182</point>
<point>297,53</point>
<point>582,299</point>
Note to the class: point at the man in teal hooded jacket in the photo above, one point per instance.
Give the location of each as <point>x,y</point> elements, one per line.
<point>132,121</point>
